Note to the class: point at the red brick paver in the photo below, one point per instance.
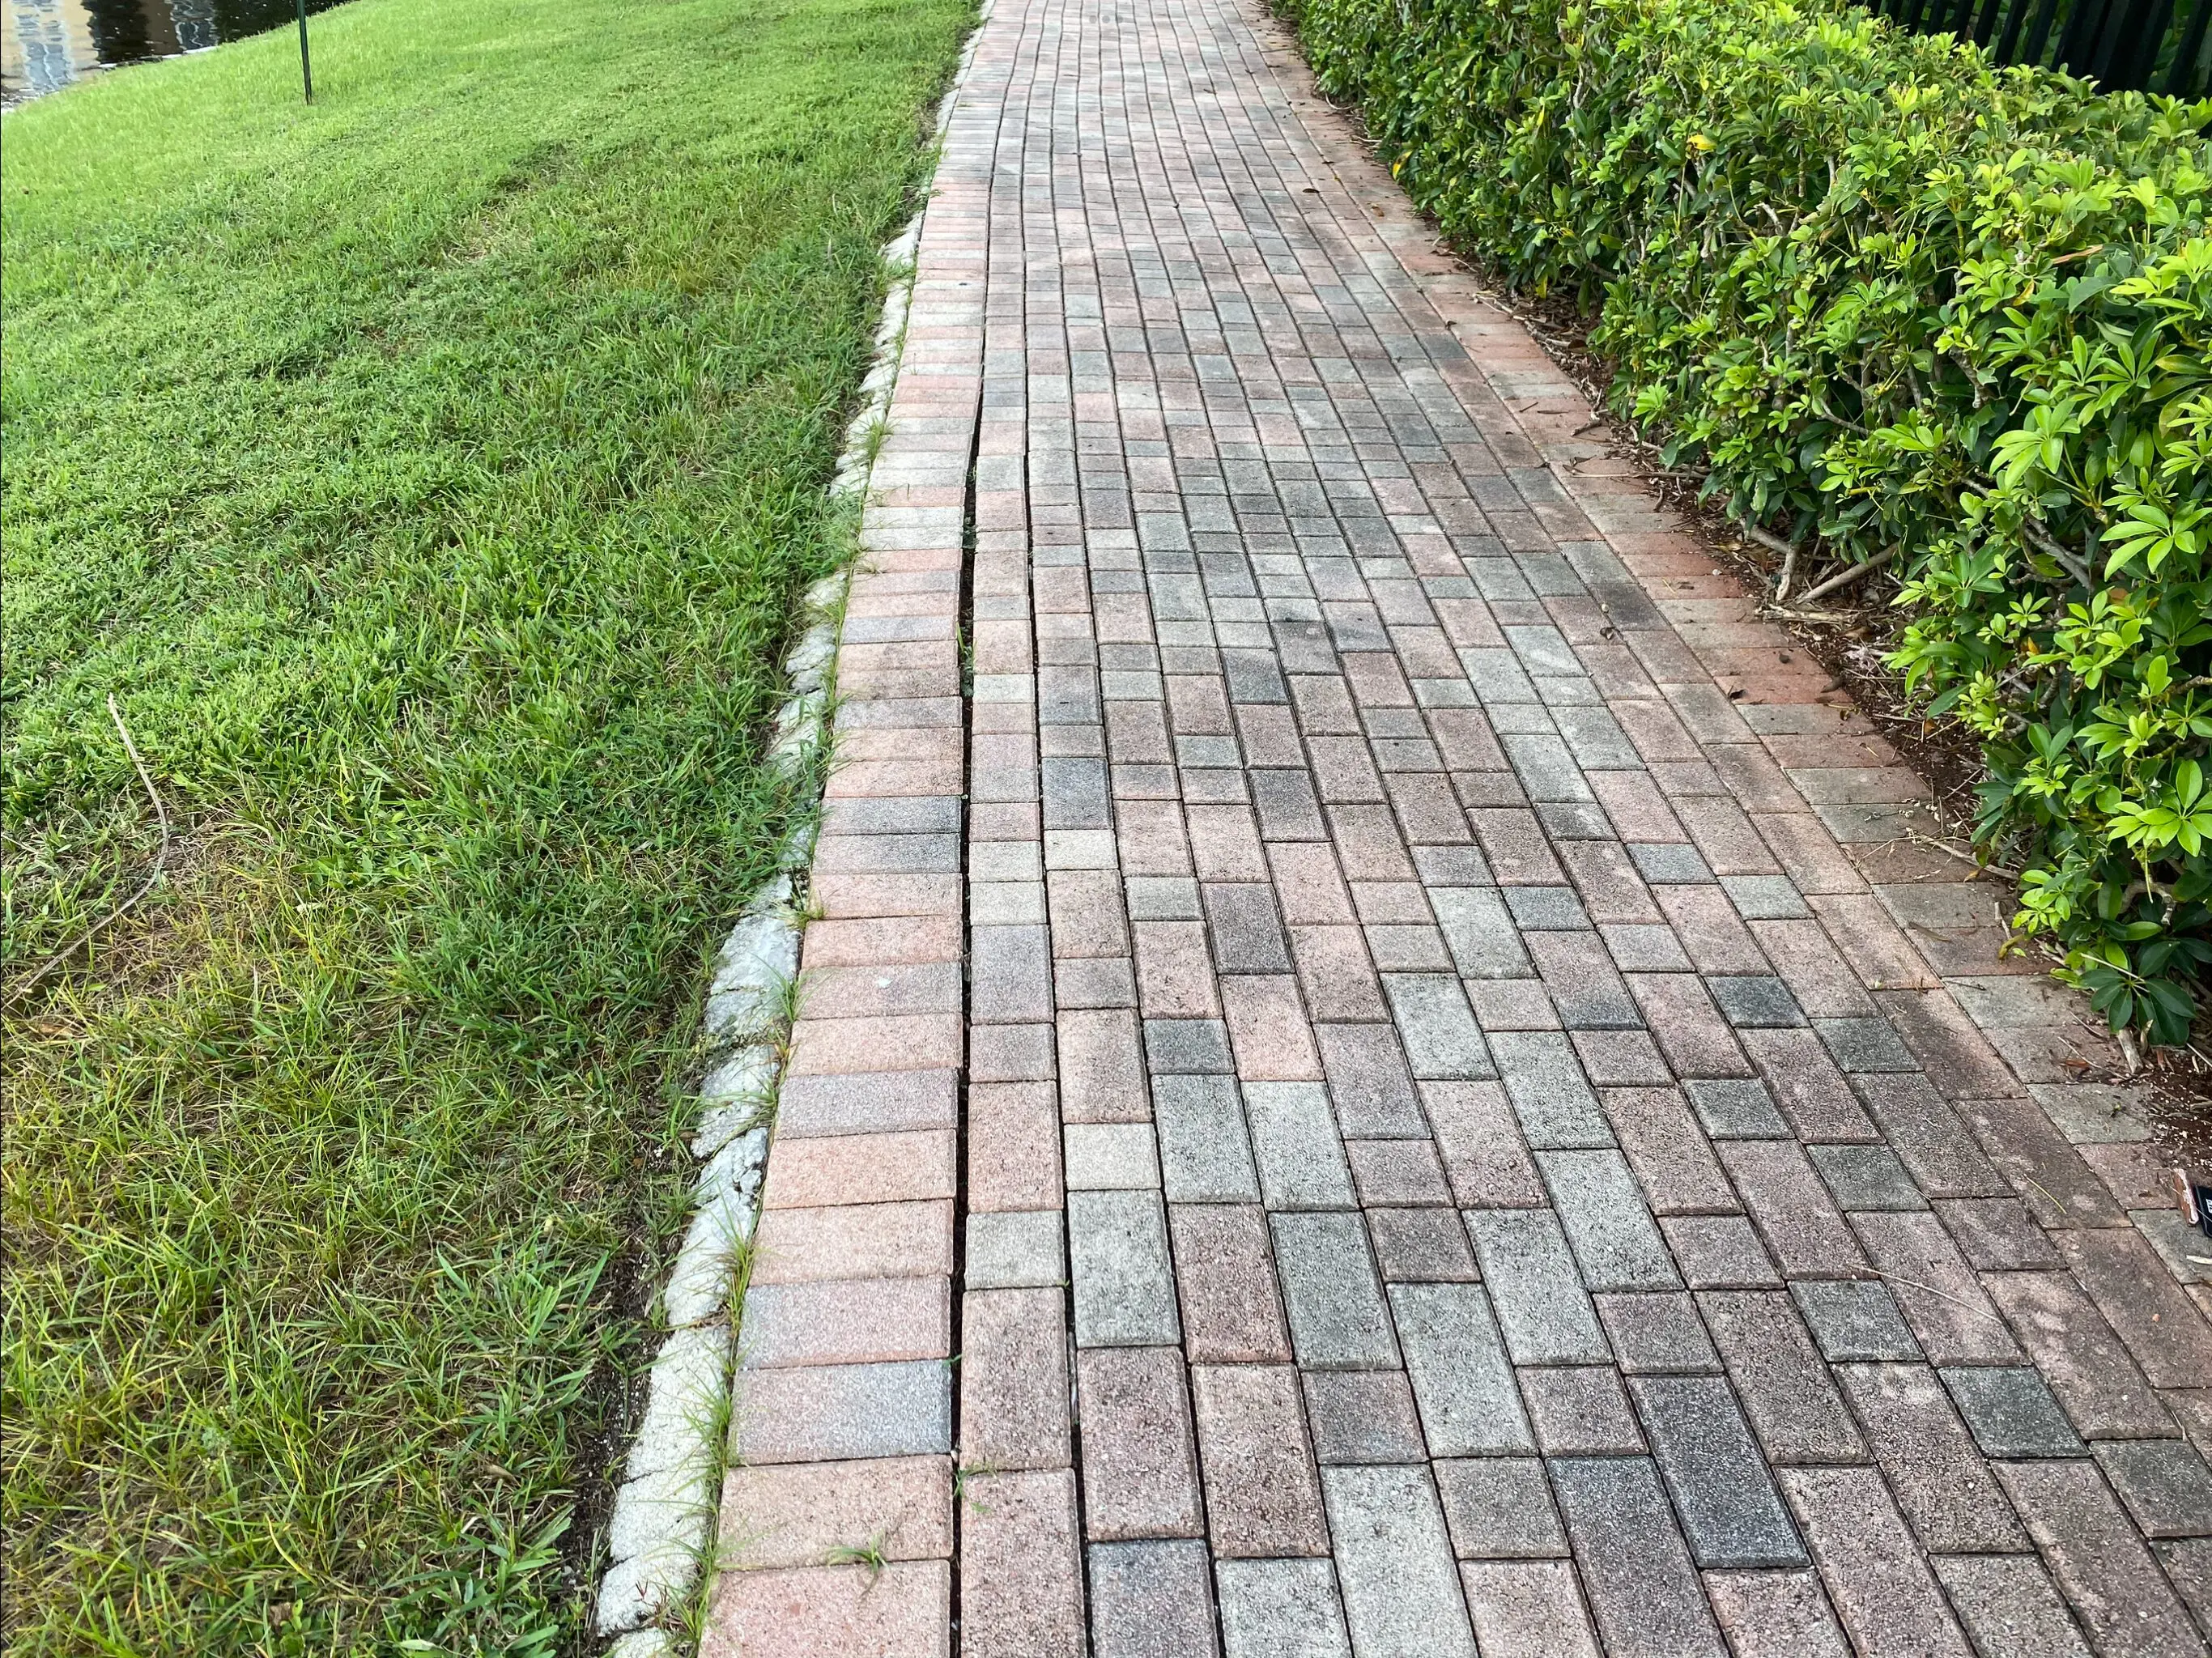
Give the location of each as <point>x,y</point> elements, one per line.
<point>1414,1065</point>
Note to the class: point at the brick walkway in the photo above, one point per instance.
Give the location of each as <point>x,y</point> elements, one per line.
<point>1468,1123</point>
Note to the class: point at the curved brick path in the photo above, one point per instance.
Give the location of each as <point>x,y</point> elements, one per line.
<point>1467,1124</point>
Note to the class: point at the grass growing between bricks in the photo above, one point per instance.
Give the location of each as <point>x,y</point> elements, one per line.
<point>429,476</point>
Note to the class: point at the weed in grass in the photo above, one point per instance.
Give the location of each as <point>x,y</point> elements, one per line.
<point>430,474</point>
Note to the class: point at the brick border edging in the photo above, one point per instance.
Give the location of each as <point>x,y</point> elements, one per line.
<point>663,1527</point>
<point>836,1500</point>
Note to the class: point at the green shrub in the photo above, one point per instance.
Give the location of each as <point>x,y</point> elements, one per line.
<point>1913,307</point>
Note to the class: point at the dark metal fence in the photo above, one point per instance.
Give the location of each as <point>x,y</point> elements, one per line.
<point>2155,46</point>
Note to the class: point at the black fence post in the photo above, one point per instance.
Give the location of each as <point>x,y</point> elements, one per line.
<point>307,75</point>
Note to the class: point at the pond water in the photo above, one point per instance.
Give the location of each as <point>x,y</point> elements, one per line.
<point>47,43</point>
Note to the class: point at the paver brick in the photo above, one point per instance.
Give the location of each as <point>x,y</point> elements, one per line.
<point>1394,1565</point>
<point>1230,1310</point>
<point>1363,1416</point>
<point>1736,1108</point>
<point>1877,1579</point>
<point>1280,1609</point>
<point>1866,1177</point>
<point>1117,1245</point>
<point>1267,1028</point>
<point>1337,1314</point>
<point>1261,1498</point>
<point>1729,1509</point>
<point>1013,1379</point>
<point>1784,1388</point>
<point>1021,1566</point>
<point>845,1322</point>
<point>2108,1575</point>
<point>1811,1091</point>
<point>905,1608</point>
<point>2011,1411</point>
<point>852,1240</point>
<point>1527,1606</point>
<point>1670,1154</point>
<point>1013,1150</point>
<point>1864,1044</point>
<point>1657,1334</point>
<point>1397,1173</point>
<point>1151,1599</point>
<point>1294,1139</point>
<point>826,1413</point>
<point>2163,1483</point>
<point>1484,1158</point>
<point>1541,1306</point>
<point>809,1514</point>
<point>1854,1319</point>
<point>866,1103</point>
<point>1111,1156</point>
<point>2009,1604</point>
<point>1204,1149</point>
<point>1621,1059</point>
<point>1579,1410</point>
<point>1612,1234</point>
<point>1139,1466</point>
<point>1644,1592</point>
<point>1500,1508</point>
<point>1015,1249</point>
<point>1420,1245</point>
<point>1555,1103</point>
<point>1437,1026</point>
<point>1718,1252</point>
<point>1368,1080</point>
<point>1187,1047</point>
<point>1799,1220</point>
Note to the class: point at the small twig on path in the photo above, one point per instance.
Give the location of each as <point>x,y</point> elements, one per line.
<point>1963,857</point>
<point>1856,573</point>
<point>2045,1190</point>
<point>1815,618</point>
<point>160,862</point>
<point>1930,1289</point>
<point>1775,543</point>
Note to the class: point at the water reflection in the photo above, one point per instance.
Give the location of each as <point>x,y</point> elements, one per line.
<point>47,44</point>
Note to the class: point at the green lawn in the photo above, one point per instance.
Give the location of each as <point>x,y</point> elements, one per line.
<point>429,476</point>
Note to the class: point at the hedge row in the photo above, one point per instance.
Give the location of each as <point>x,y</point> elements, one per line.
<point>1898,304</point>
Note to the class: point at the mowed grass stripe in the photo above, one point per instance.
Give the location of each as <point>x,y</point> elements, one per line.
<point>429,475</point>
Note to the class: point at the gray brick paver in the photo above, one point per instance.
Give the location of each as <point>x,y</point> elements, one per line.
<point>1529,1272</point>
<point>1393,1558</point>
<point>1635,1568</point>
<point>1440,1060</point>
